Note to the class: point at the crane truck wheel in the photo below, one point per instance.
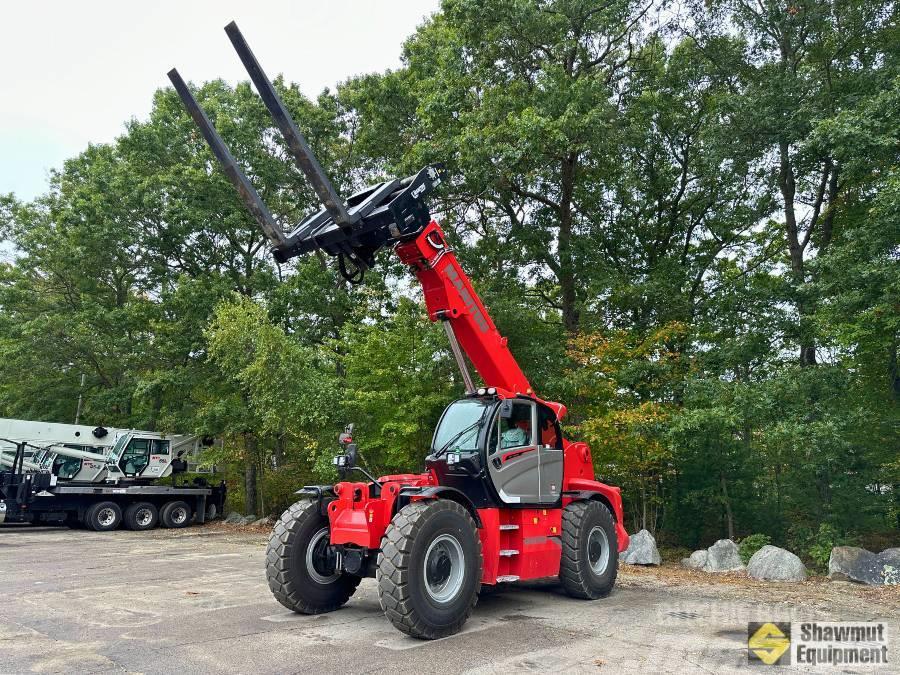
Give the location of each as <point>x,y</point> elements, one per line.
<point>175,514</point>
<point>300,566</point>
<point>429,569</point>
<point>211,512</point>
<point>103,516</point>
<point>590,552</point>
<point>141,516</point>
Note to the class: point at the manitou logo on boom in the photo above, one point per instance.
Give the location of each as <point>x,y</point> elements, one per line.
<point>468,299</point>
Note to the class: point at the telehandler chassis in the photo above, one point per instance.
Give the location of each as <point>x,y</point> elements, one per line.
<point>504,497</point>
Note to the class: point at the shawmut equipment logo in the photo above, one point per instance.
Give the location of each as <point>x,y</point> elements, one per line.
<point>769,643</point>
<point>817,643</point>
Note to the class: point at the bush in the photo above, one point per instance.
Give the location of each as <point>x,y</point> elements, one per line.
<point>823,541</point>
<point>751,544</point>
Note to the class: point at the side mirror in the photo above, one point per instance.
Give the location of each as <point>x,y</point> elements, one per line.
<point>506,409</point>
<point>347,435</point>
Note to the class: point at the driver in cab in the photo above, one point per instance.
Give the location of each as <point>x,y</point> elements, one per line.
<point>518,431</point>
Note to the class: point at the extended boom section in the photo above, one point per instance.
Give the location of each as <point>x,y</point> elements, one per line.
<point>504,497</point>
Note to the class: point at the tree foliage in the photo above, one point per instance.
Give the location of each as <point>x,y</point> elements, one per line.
<point>687,223</point>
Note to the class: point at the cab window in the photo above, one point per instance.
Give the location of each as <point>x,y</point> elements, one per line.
<point>159,447</point>
<point>548,428</point>
<point>136,456</point>
<point>513,432</point>
<point>459,426</point>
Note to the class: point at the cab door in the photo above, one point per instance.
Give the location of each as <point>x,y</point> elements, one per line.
<point>136,457</point>
<point>512,453</point>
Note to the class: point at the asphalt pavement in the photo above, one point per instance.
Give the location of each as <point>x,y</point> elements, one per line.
<point>196,601</point>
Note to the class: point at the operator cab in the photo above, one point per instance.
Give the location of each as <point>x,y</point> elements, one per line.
<point>69,467</point>
<point>499,451</point>
<point>136,456</point>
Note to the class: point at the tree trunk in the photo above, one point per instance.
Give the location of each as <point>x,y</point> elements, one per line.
<point>788,187</point>
<point>894,371</point>
<point>570,313</point>
<point>250,477</point>
<point>729,518</point>
<point>279,450</point>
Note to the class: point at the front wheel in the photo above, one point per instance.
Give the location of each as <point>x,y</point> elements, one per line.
<point>590,553</point>
<point>429,569</point>
<point>300,565</point>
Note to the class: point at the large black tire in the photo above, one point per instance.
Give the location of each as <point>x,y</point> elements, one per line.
<point>212,511</point>
<point>300,573</point>
<point>429,569</point>
<point>141,516</point>
<point>103,517</point>
<point>590,552</point>
<point>175,514</point>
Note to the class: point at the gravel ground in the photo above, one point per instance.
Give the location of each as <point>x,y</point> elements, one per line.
<point>196,600</point>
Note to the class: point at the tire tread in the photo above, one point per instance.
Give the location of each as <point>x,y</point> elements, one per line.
<point>393,569</point>
<point>278,564</point>
<point>573,566</point>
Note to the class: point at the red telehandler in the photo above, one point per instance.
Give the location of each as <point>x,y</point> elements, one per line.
<point>504,496</point>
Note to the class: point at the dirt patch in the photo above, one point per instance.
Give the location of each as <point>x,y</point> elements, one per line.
<point>816,591</point>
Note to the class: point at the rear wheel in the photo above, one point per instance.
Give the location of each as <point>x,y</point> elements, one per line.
<point>211,512</point>
<point>300,565</point>
<point>590,552</point>
<point>141,516</point>
<point>103,517</point>
<point>175,514</point>
<point>429,569</point>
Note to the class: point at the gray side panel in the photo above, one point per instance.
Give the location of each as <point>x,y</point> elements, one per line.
<point>551,474</point>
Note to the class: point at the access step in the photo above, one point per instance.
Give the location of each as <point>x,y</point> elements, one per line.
<point>506,578</point>
<point>510,526</point>
<point>507,552</point>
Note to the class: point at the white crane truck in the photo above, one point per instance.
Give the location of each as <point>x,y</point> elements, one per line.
<point>101,478</point>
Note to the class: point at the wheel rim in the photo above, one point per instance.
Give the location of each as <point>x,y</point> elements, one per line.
<point>144,517</point>
<point>444,568</point>
<point>106,517</point>
<point>598,550</point>
<point>179,515</point>
<point>318,562</point>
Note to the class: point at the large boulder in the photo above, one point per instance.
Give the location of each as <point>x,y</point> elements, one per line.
<point>641,550</point>
<point>248,520</point>
<point>696,561</point>
<point>234,518</point>
<point>849,563</point>
<point>265,521</point>
<point>723,556</point>
<point>776,564</point>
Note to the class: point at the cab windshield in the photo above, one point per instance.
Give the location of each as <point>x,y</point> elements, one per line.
<point>116,451</point>
<point>459,426</point>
